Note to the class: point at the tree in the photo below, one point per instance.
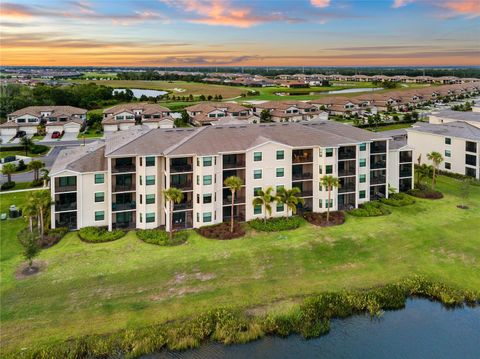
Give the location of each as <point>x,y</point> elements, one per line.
<point>234,183</point>
<point>329,182</point>
<point>172,195</point>
<point>35,166</point>
<point>423,171</point>
<point>45,176</point>
<point>465,191</point>
<point>29,210</point>
<point>265,116</point>
<point>42,201</point>
<point>436,159</point>
<point>7,170</point>
<point>265,199</point>
<point>26,143</point>
<point>29,242</point>
<point>289,197</point>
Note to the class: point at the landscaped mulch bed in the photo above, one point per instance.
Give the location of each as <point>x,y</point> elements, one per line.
<point>426,194</point>
<point>222,231</point>
<point>320,219</point>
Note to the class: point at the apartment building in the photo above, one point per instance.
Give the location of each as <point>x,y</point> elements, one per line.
<point>124,116</point>
<point>290,111</point>
<point>119,183</point>
<point>447,116</point>
<point>55,118</point>
<point>458,142</point>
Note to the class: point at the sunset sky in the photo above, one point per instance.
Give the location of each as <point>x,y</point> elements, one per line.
<point>247,33</point>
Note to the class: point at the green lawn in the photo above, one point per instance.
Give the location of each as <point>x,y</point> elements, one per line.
<point>4,154</point>
<point>19,185</point>
<point>99,288</point>
<point>394,126</point>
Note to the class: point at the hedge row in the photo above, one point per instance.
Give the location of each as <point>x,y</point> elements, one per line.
<point>276,224</point>
<point>161,238</point>
<point>398,200</point>
<point>370,209</point>
<point>99,234</point>
<point>228,326</point>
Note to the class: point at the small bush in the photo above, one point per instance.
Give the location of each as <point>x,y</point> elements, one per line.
<point>39,149</point>
<point>36,183</point>
<point>425,193</point>
<point>222,231</point>
<point>99,234</point>
<point>7,185</point>
<point>398,200</point>
<point>320,219</point>
<point>53,236</point>
<point>370,209</point>
<point>21,166</point>
<point>161,238</point>
<point>276,224</point>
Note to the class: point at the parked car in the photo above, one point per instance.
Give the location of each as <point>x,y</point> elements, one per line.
<point>20,134</point>
<point>56,134</point>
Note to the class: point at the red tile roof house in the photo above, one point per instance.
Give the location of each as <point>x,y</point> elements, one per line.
<point>290,111</point>
<point>205,113</point>
<point>55,118</point>
<point>122,117</point>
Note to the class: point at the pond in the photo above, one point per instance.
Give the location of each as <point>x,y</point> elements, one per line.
<point>333,92</point>
<point>423,329</point>
<point>137,93</point>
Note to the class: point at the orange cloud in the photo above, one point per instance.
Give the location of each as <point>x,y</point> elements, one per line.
<point>14,10</point>
<point>467,7</point>
<point>320,3</point>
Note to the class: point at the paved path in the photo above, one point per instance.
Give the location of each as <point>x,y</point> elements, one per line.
<point>24,190</point>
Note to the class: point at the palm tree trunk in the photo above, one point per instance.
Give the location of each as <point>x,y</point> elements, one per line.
<point>433,179</point>
<point>265,214</point>
<point>41,223</point>
<point>9,177</point>
<point>231,212</point>
<point>170,234</point>
<point>328,203</point>
<point>30,219</point>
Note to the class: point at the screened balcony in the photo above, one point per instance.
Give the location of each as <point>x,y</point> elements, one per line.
<point>125,164</point>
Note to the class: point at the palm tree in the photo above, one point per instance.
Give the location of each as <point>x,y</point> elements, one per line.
<point>35,166</point>
<point>8,169</point>
<point>329,182</point>
<point>265,199</point>
<point>289,197</point>
<point>172,195</point>
<point>234,183</point>
<point>422,172</point>
<point>42,201</point>
<point>436,159</point>
<point>26,143</point>
<point>30,211</point>
<point>45,176</point>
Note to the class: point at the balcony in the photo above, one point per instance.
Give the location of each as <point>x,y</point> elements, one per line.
<point>126,206</point>
<point>59,189</point>
<point>228,200</point>
<point>124,225</point>
<point>406,170</point>
<point>378,147</point>
<point>183,206</point>
<point>181,168</point>
<point>374,180</point>
<point>184,186</point>
<point>347,153</point>
<point>378,161</point>
<point>124,187</point>
<point>302,176</point>
<point>237,173</point>
<point>123,168</point>
<point>233,161</point>
<point>302,156</point>
<point>347,188</point>
<point>63,207</point>
<point>346,168</point>
<point>306,193</point>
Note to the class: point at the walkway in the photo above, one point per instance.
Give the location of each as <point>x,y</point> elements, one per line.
<point>24,190</point>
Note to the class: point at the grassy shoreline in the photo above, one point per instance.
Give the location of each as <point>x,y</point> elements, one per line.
<point>103,288</point>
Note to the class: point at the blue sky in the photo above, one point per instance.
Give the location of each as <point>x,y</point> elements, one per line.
<point>234,32</point>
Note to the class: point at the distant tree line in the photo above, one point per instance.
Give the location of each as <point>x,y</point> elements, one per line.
<point>151,75</point>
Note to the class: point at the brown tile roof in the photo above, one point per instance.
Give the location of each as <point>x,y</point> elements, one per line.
<point>56,110</point>
<point>89,158</point>
<point>211,106</point>
<point>147,108</point>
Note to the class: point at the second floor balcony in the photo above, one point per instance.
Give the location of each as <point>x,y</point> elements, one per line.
<point>123,206</point>
<point>63,207</point>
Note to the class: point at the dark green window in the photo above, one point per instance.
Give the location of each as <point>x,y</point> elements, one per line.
<point>99,215</point>
<point>255,190</point>
<point>280,154</point>
<point>257,156</point>
<point>329,152</point>
<point>207,180</point>
<point>257,174</point>
<point>448,153</point>
<point>280,172</point>
<point>363,178</point>
<point>280,207</point>
<point>448,141</point>
<point>207,217</point>
<point>149,161</point>
<point>150,180</point>
<point>362,162</point>
<point>150,217</point>
<point>363,147</point>
<point>99,196</point>
<point>257,209</point>
<point>99,178</point>
<point>362,194</point>
<point>328,169</point>
<point>207,161</point>
<point>150,198</point>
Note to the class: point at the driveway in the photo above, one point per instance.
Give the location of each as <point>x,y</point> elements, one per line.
<point>69,136</point>
<point>5,139</point>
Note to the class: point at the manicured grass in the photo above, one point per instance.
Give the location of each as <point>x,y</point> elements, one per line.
<point>92,134</point>
<point>4,154</point>
<point>18,185</point>
<point>98,288</point>
<point>394,126</point>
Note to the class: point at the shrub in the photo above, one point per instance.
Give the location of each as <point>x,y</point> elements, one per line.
<point>398,200</point>
<point>7,185</point>
<point>36,183</point>
<point>53,236</point>
<point>21,166</point>
<point>99,234</point>
<point>276,224</point>
<point>370,209</point>
<point>39,149</point>
<point>320,219</point>
<point>161,238</point>
<point>425,193</point>
<point>222,231</point>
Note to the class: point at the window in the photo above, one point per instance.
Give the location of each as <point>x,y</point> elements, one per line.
<point>257,156</point>
<point>280,172</point>
<point>470,146</point>
<point>280,154</point>
<point>207,161</point>
<point>329,152</point>
<point>280,207</point>
<point>471,172</point>
<point>448,141</point>
<point>99,215</point>
<point>207,217</point>
<point>363,147</point>
<point>320,203</point>
<point>448,166</point>
<point>329,169</point>
<point>255,190</point>
<point>448,153</point>
<point>150,161</point>
<point>471,160</point>
<point>362,162</point>
<point>99,196</point>
<point>141,180</point>
<point>150,199</point>
<point>150,217</point>
<point>141,217</point>
<point>257,174</point>
<point>99,178</point>
<point>257,209</point>
<point>67,181</point>
<point>362,194</point>
<point>150,180</point>
<point>362,178</point>
<point>320,169</point>
<point>207,180</point>
<point>207,198</point>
